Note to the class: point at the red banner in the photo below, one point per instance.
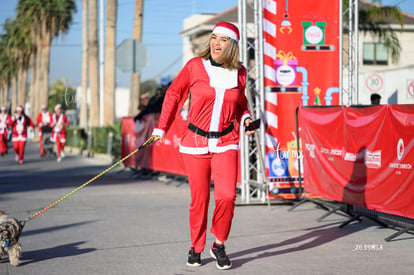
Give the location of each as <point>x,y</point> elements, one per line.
<point>301,56</point>
<point>361,156</point>
<point>161,156</point>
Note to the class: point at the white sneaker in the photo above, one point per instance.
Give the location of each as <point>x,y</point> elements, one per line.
<point>62,154</point>
<point>16,158</point>
<point>59,159</point>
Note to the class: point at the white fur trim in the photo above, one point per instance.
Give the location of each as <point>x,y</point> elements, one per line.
<point>227,32</point>
<point>158,132</point>
<point>205,150</point>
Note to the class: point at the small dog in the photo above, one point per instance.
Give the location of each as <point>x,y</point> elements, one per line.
<point>10,230</point>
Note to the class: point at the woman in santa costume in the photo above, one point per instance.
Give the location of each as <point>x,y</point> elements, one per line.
<point>5,123</point>
<point>59,123</point>
<point>44,118</point>
<point>22,129</point>
<point>216,81</point>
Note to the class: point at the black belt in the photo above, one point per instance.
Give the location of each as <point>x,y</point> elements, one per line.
<point>206,134</point>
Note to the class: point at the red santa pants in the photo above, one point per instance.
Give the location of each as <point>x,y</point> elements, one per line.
<point>222,167</point>
<point>3,143</point>
<point>19,148</point>
<point>41,149</point>
<point>60,140</point>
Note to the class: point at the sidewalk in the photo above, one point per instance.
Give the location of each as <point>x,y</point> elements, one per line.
<point>121,225</point>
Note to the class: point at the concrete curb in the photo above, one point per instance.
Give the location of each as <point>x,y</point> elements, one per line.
<point>105,158</point>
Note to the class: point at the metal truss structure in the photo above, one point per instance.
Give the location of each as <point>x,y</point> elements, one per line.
<point>349,69</point>
<point>253,171</point>
<point>254,182</point>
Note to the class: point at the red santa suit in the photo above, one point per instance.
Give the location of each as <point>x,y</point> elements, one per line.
<point>210,144</point>
<point>22,128</point>
<point>43,119</point>
<point>60,123</point>
<point>5,123</point>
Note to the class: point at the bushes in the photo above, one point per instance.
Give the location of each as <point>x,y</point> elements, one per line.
<point>101,139</point>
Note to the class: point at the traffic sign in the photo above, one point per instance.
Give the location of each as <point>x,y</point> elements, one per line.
<point>374,82</point>
<point>131,56</point>
<point>410,89</point>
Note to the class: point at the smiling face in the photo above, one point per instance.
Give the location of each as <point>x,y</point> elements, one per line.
<point>218,43</point>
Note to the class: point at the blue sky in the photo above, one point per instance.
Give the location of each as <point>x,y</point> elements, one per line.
<point>162,24</point>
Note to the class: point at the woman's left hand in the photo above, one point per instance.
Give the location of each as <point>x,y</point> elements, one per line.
<point>247,122</point>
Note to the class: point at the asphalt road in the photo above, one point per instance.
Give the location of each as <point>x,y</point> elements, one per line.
<point>124,223</point>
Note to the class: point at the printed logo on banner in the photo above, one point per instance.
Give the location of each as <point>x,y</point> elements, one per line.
<point>373,159</point>
<point>400,149</point>
<point>311,149</point>
<point>324,150</point>
<point>350,157</point>
<point>400,153</point>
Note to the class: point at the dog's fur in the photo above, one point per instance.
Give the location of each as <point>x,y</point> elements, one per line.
<point>10,230</point>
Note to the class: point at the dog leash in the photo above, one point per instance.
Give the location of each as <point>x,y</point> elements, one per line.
<point>146,143</point>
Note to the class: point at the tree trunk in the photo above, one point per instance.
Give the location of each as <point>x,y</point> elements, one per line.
<point>93,64</point>
<point>2,96</point>
<point>136,78</point>
<point>110,72</point>
<point>22,86</point>
<point>6,91</point>
<point>45,63</point>
<point>13,84</point>
<point>32,86</point>
<point>38,75</point>
<point>83,119</point>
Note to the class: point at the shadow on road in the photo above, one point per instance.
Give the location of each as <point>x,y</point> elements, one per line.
<point>61,251</point>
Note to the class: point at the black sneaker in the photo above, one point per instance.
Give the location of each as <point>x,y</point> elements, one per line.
<point>194,259</point>
<point>218,253</point>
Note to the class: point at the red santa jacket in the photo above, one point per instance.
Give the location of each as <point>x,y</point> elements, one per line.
<point>60,123</point>
<point>5,122</point>
<point>43,118</point>
<point>217,100</point>
<point>20,128</point>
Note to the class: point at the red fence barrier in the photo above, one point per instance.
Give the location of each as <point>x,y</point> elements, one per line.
<point>161,156</point>
<point>361,156</point>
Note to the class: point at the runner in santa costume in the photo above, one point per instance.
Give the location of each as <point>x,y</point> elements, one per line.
<point>215,82</point>
<point>44,118</point>
<point>5,123</point>
<point>22,129</point>
<point>59,123</point>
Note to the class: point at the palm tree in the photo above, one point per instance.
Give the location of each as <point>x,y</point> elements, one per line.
<point>375,19</point>
<point>5,71</point>
<point>93,63</point>
<point>10,47</point>
<point>19,48</point>
<point>110,72</point>
<point>48,20</point>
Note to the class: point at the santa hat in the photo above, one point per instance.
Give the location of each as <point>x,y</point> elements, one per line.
<point>19,108</point>
<point>3,108</point>
<point>58,106</point>
<point>43,106</point>
<point>227,29</point>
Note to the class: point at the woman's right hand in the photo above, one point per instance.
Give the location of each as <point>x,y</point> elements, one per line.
<point>157,138</point>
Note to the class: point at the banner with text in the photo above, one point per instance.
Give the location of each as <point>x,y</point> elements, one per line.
<point>361,156</point>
